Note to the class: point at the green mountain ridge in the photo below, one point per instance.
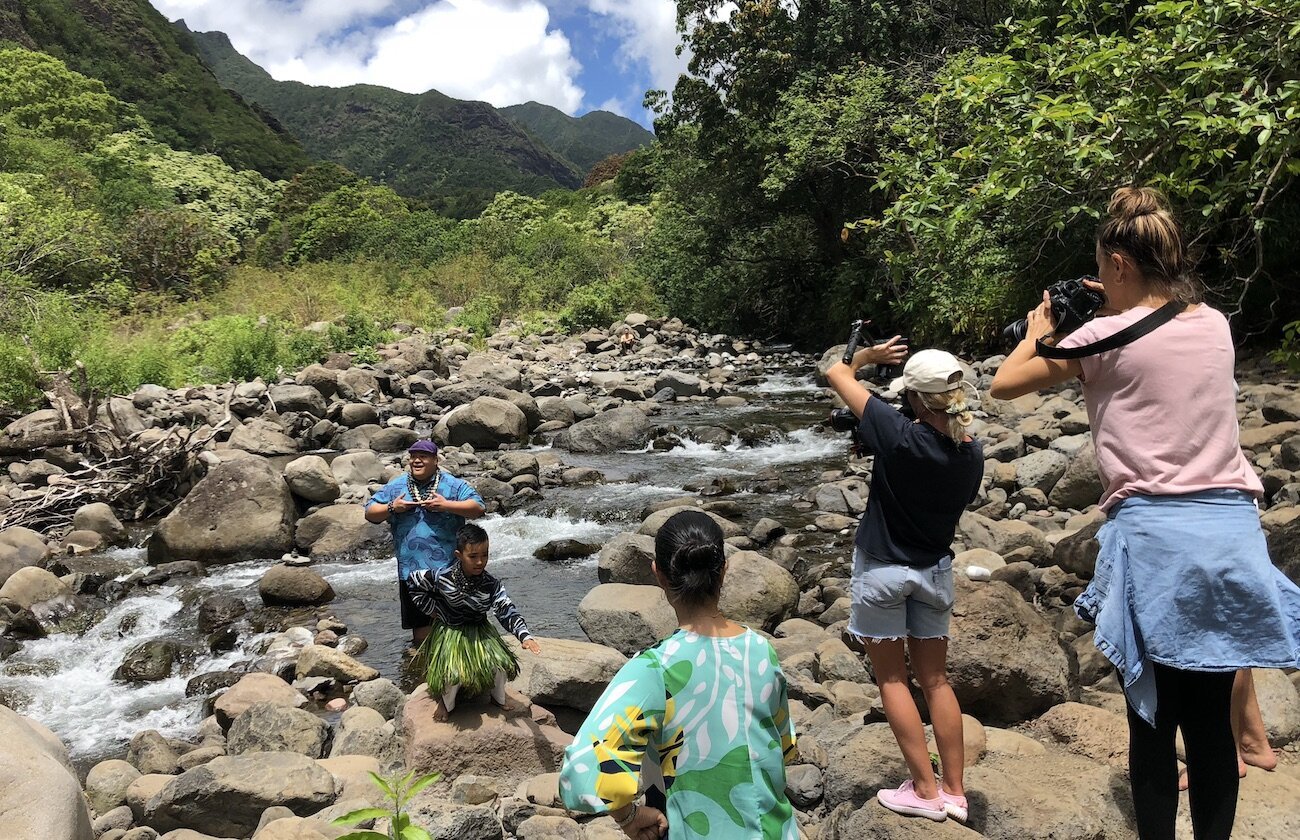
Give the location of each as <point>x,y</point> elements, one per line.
<point>585,140</point>
<point>142,59</point>
<point>454,154</point>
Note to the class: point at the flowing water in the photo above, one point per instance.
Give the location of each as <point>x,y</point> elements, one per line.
<point>65,681</point>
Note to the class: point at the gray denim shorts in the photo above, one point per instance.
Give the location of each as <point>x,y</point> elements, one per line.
<point>892,601</point>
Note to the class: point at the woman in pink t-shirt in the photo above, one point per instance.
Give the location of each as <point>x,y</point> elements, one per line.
<point>1184,593</point>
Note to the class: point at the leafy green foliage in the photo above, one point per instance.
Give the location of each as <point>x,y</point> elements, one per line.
<point>145,61</point>
<point>399,792</point>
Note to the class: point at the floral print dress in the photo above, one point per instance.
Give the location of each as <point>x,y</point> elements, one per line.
<point>706,719</point>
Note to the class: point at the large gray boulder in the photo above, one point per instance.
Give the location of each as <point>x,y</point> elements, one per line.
<point>39,792</point>
<point>241,510</point>
<point>291,586</point>
<point>1005,661</point>
<point>481,366</point>
<point>621,428</point>
<point>262,437</point>
<point>99,517</point>
<point>358,469</point>
<point>463,393</point>
<point>252,689</point>
<point>324,661</point>
<point>1080,485</point>
<point>311,478</point>
<point>1040,470</point>
<point>756,591</point>
<point>566,673</point>
<point>268,727</point>
<point>627,559</point>
<point>625,617</point>
<point>338,529</point>
<point>19,547</point>
<point>226,796</point>
<point>1005,536</point>
<point>484,423</point>
<point>106,784</point>
<point>363,731</point>
<point>301,398</point>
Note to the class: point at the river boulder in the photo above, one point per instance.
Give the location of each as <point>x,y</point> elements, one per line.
<point>39,792</point>
<point>252,689</point>
<point>19,547</point>
<point>99,517</point>
<point>484,424</point>
<point>610,431</point>
<point>1005,661</point>
<point>566,673</point>
<point>337,529</point>
<point>311,478</point>
<point>226,796</point>
<point>268,727</point>
<point>241,510</point>
<point>627,618</point>
<point>756,591</point>
<point>627,559</point>
<point>291,586</point>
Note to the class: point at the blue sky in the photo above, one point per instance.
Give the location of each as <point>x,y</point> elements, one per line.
<point>577,55</point>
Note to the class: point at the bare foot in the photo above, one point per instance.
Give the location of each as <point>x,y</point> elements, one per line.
<point>1241,771</point>
<point>507,706</point>
<point>439,711</point>
<point>1262,757</point>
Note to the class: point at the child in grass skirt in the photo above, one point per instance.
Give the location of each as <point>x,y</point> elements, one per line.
<point>462,650</point>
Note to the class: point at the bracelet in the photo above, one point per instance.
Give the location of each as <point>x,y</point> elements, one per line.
<point>626,821</point>
<point>390,509</point>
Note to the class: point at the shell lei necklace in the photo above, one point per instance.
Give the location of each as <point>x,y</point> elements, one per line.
<point>417,495</point>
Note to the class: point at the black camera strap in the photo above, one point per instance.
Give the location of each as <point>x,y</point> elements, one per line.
<point>1129,334</point>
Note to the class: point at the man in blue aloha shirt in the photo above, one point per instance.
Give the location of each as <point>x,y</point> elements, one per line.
<point>424,506</point>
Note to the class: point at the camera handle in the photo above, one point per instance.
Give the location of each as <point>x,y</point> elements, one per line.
<point>855,338</point>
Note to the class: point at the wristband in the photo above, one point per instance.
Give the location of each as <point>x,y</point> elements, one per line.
<point>626,821</point>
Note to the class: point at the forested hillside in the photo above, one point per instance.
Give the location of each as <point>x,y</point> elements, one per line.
<point>143,60</point>
<point>585,140</point>
<point>451,153</point>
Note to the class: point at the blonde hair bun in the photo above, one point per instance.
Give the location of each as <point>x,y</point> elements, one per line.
<point>1128,203</point>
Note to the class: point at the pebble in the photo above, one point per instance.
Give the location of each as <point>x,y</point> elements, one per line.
<point>338,704</point>
<point>978,573</point>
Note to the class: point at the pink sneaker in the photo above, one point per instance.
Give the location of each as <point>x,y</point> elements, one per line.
<point>905,801</point>
<point>954,806</point>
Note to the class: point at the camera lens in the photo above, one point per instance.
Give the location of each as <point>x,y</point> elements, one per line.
<point>1015,332</point>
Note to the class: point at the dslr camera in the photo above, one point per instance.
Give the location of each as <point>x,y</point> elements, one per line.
<point>1073,305</point>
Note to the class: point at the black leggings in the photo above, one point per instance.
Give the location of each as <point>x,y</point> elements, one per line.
<point>1199,703</point>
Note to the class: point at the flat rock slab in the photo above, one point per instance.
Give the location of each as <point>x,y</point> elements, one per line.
<point>480,738</point>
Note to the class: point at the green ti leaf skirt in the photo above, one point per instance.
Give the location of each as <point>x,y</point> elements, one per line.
<point>469,656</point>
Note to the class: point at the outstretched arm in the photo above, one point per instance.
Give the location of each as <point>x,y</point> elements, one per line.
<point>843,378</point>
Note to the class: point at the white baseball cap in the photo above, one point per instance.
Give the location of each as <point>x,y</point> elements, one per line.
<point>929,372</point>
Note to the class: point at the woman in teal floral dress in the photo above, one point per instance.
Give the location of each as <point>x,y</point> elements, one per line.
<point>700,720</point>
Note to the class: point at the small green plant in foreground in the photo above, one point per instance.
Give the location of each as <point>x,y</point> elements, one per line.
<point>399,792</point>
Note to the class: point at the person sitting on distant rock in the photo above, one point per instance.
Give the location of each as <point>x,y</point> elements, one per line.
<point>926,471</point>
<point>462,650</point>
<point>424,507</point>
<point>702,717</point>
<point>626,340</point>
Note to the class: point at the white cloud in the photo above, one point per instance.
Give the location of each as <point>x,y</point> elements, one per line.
<point>647,30</point>
<point>501,51</point>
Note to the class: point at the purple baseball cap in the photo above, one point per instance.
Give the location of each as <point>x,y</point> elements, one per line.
<point>424,446</point>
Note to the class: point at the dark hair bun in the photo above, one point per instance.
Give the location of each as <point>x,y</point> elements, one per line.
<point>689,551</point>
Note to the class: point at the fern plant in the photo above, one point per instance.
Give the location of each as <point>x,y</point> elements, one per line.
<point>399,792</point>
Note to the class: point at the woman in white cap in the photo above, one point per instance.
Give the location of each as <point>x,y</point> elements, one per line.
<point>926,472</point>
